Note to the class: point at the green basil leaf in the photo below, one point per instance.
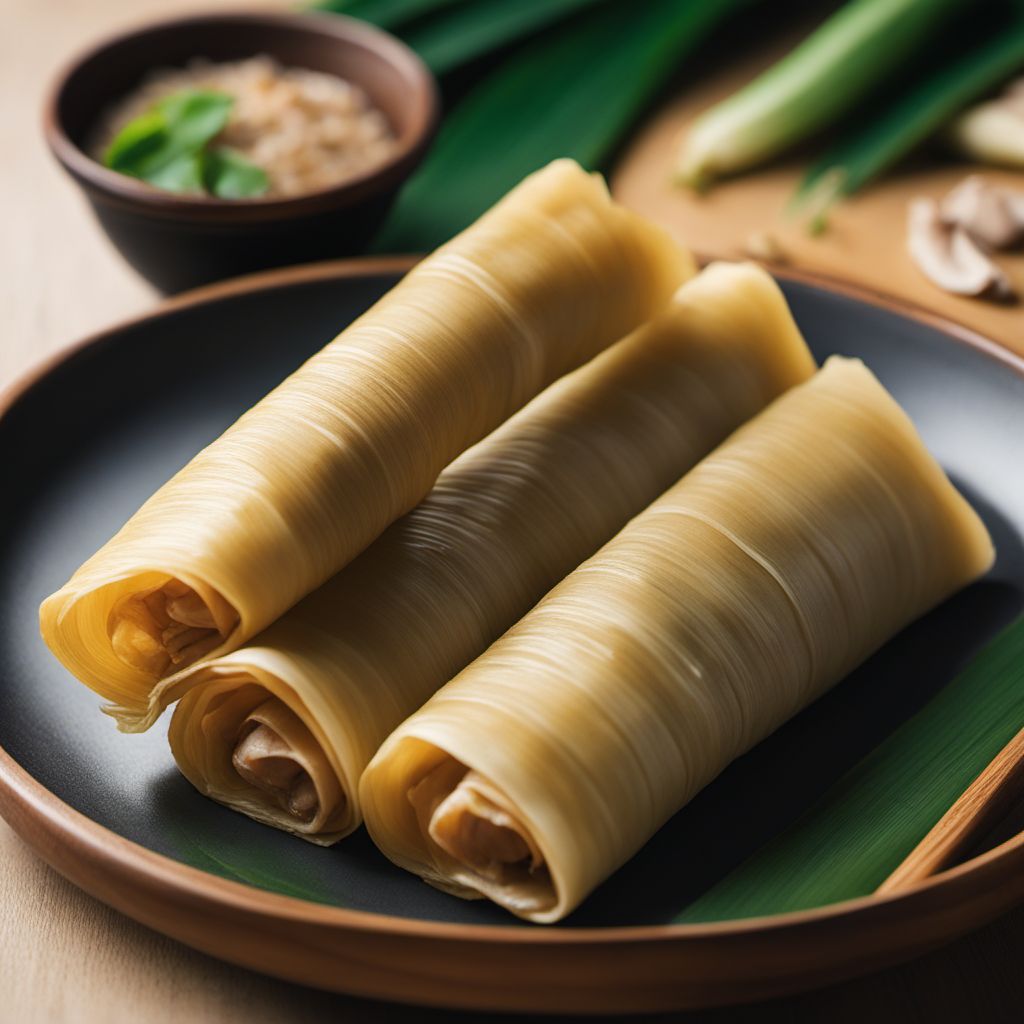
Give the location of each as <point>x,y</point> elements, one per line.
<point>135,141</point>
<point>163,145</point>
<point>229,175</point>
<point>183,174</point>
<point>194,116</point>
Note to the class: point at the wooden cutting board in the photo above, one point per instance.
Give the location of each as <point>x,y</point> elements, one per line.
<point>865,242</point>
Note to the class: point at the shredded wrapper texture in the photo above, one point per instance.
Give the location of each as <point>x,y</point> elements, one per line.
<point>505,522</point>
<point>313,473</point>
<point>766,574</point>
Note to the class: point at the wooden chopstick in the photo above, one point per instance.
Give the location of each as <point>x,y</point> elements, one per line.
<point>981,807</point>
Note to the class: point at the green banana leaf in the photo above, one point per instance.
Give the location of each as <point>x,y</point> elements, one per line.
<point>450,33</point>
<point>464,33</point>
<point>573,92</point>
<point>389,14</point>
<point>852,839</point>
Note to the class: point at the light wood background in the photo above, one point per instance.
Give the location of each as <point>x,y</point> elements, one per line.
<point>65,957</point>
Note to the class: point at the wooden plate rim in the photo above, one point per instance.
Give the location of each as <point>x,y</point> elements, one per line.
<point>61,834</point>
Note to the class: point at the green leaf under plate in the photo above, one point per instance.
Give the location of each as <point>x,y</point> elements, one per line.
<point>853,838</point>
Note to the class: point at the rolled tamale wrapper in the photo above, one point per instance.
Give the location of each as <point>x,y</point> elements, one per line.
<point>313,473</point>
<point>283,728</point>
<point>793,551</point>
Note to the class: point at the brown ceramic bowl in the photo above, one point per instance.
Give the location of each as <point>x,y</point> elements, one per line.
<point>177,241</point>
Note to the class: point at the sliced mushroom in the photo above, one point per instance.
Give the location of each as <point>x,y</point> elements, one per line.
<point>992,131</point>
<point>764,246</point>
<point>1015,201</point>
<point>1014,91</point>
<point>992,216</point>
<point>949,257</point>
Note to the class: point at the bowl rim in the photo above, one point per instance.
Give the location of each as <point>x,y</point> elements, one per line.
<point>126,191</point>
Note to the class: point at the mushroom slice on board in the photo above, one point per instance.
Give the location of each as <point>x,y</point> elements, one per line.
<point>992,216</point>
<point>948,257</point>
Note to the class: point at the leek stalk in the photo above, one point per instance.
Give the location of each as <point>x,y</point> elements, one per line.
<point>820,80</point>
<point>864,155</point>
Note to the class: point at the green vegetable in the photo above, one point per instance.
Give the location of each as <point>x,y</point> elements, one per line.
<point>573,92</point>
<point>821,79</point>
<point>138,140</point>
<point>178,126</point>
<point>865,154</point>
<point>168,146</point>
<point>467,31</point>
<point>183,174</point>
<point>388,14</point>
<point>863,827</point>
<point>228,175</point>
<point>450,33</point>
<point>991,132</point>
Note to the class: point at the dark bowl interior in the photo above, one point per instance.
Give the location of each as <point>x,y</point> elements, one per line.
<point>178,241</point>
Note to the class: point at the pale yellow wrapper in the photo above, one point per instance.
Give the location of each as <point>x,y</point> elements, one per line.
<point>506,521</point>
<point>769,571</point>
<point>310,476</point>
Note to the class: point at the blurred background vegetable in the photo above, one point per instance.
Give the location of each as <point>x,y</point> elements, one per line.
<point>993,131</point>
<point>916,115</point>
<point>528,81</point>
<point>825,76</point>
<point>574,92</point>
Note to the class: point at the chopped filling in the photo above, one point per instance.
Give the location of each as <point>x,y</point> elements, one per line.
<point>168,627</point>
<point>277,754</point>
<point>265,761</point>
<point>478,841</point>
<point>471,825</point>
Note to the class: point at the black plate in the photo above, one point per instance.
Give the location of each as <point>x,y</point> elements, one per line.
<point>91,439</point>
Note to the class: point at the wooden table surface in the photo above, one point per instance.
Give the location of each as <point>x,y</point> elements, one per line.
<point>65,957</point>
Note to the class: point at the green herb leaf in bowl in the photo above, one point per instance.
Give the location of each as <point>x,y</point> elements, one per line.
<point>229,175</point>
<point>168,147</point>
<point>138,140</point>
<point>182,174</point>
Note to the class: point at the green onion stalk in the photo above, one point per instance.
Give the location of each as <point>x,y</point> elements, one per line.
<point>823,78</point>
